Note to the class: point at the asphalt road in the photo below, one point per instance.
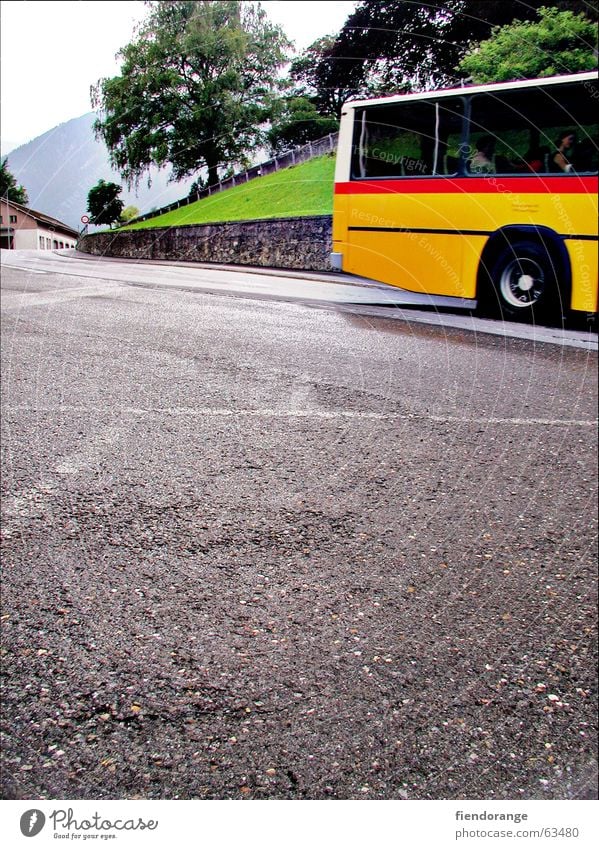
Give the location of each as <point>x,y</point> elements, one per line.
<point>342,291</point>
<point>269,550</point>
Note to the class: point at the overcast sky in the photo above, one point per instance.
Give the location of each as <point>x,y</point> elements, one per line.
<point>52,52</point>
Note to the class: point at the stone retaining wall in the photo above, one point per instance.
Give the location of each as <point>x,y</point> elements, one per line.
<point>301,243</point>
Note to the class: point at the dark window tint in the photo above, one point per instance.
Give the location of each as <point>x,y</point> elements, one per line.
<point>521,131</point>
<point>409,139</point>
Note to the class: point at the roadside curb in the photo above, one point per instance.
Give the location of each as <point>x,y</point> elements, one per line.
<point>294,274</point>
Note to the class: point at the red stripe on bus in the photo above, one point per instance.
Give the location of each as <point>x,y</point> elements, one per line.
<point>566,184</point>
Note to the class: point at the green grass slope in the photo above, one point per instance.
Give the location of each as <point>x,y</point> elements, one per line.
<point>305,189</point>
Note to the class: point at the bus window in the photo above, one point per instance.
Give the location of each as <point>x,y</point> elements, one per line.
<point>416,139</point>
<point>528,128</point>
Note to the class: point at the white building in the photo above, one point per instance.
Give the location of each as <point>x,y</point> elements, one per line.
<point>22,228</point>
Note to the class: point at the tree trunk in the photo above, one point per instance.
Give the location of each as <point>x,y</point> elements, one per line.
<point>212,172</point>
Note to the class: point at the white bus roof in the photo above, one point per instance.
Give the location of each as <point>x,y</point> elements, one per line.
<point>470,89</point>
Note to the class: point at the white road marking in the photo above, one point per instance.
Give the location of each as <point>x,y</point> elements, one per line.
<point>22,268</point>
<point>23,300</point>
<point>217,412</point>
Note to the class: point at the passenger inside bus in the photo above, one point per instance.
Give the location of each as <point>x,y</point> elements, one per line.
<point>561,161</point>
<point>482,161</point>
<point>535,158</point>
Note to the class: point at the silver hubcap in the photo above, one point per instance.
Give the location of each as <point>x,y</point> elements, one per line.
<point>522,283</point>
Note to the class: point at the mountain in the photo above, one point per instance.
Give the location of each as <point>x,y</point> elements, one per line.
<point>59,168</point>
<point>6,146</point>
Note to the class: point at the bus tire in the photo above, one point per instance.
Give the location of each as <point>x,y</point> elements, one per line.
<point>524,282</point>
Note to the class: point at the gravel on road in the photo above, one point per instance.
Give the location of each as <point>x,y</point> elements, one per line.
<point>263,551</point>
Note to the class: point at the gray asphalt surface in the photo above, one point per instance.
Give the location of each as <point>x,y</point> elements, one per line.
<point>266,551</point>
<point>342,291</point>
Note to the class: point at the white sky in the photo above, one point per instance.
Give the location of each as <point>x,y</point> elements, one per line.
<point>52,52</point>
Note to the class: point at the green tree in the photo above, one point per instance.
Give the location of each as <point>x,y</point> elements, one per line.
<point>196,187</point>
<point>129,213</point>
<point>558,43</point>
<point>104,204</point>
<point>319,75</point>
<point>196,85</point>
<point>9,188</point>
<point>297,123</point>
<point>391,46</point>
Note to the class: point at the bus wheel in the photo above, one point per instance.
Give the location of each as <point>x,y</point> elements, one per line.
<point>524,282</point>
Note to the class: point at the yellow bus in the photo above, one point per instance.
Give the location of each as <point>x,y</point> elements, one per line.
<point>484,193</point>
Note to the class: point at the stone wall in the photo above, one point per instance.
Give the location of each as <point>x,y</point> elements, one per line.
<point>301,243</point>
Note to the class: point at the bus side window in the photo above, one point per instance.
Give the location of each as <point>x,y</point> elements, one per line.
<point>482,160</point>
<point>451,165</point>
<point>536,159</point>
<point>450,161</point>
<point>406,140</point>
<point>585,155</point>
<point>537,132</point>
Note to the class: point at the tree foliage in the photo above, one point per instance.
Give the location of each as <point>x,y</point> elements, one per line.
<point>320,74</point>
<point>559,43</point>
<point>104,204</point>
<point>128,213</point>
<point>9,188</point>
<point>196,85</point>
<point>390,46</point>
<point>296,123</point>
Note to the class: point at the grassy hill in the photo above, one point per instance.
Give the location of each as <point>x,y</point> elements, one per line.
<point>305,189</point>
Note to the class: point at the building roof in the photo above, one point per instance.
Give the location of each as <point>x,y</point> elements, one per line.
<point>50,222</point>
